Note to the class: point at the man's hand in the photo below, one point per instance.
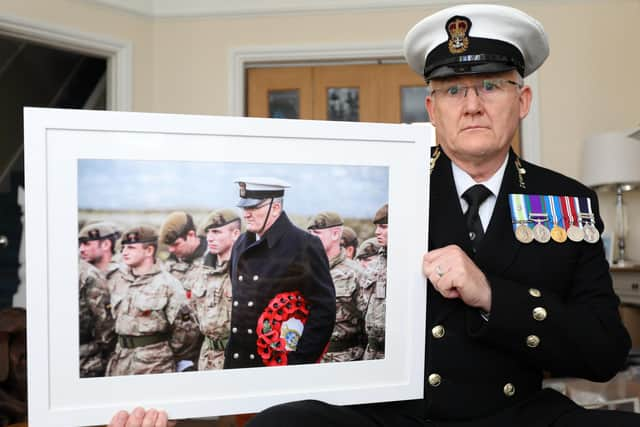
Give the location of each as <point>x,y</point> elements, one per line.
<point>141,418</point>
<point>455,275</point>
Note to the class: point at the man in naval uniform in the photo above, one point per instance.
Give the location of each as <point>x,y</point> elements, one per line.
<point>272,257</point>
<point>500,311</point>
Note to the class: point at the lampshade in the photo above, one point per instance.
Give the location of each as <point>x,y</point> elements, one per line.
<point>610,159</point>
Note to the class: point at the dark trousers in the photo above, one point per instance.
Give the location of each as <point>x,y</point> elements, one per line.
<point>312,413</point>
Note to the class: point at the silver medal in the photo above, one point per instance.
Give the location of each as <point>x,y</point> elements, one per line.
<point>541,233</point>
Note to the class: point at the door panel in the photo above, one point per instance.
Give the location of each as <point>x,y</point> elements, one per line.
<point>345,92</point>
<point>275,88</point>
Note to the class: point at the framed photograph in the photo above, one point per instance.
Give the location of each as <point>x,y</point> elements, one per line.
<point>134,168</point>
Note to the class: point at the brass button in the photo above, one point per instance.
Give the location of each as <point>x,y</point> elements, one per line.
<point>435,380</point>
<point>249,331</point>
<point>236,356</point>
<point>535,292</point>
<point>539,313</point>
<point>533,341</point>
<point>240,278</point>
<point>509,389</point>
<point>437,331</point>
<point>234,329</point>
<point>252,356</point>
<point>250,304</point>
<point>235,303</point>
<point>255,278</point>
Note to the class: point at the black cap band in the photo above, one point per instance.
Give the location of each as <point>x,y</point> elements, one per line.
<point>261,194</point>
<point>480,52</point>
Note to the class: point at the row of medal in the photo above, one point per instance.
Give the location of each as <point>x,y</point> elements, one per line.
<point>542,218</point>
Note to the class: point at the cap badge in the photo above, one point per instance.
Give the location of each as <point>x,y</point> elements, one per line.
<point>132,237</point>
<point>94,234</point>
<point>243,189</point>
<point>458,28</point>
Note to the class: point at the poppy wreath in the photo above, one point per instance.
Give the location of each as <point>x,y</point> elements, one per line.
<point>272,348</point>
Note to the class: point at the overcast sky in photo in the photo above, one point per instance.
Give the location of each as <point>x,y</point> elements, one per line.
<point>352,191</point>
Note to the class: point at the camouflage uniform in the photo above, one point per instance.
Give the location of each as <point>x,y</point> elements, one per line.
<point>347,338</point>
<point>211,303</point>
<point>154,323</point>
<point>96,322</point>
<point>368,248</point>
<point>177,225</point>
<point>374,289</point>
<point>179,268</point>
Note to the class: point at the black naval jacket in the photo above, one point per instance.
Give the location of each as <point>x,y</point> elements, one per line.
<point>487,367</point>
<point>285,259</point>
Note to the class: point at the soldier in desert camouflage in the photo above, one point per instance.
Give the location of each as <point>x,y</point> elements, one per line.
<point>367,252</point>
<point>375,291</point>
<point>187,253</point>
<point>97,243</point>
<point>96,321</point>
<point>153,319</point>
<point>347,338</point>
<point>186,248</point>
<point>349,241</point>
<point>211,287</point>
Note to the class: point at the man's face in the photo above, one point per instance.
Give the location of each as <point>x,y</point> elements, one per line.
<point>381,234</point>
<point>134,254</point>
<point>350,251</point>
<point>328,236</point>
<point>475,130</point>
<point>183,247</point>
<point>92,251</point>
<point>255,217</point>
<point>220,240</point>
<point>364,262</point>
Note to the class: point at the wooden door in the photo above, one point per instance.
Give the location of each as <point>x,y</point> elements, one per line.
<point>384,93</point>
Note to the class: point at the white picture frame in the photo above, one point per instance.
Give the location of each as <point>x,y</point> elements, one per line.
<point>54,142</point>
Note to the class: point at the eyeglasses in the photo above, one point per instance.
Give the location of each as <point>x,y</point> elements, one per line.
<point>255,208</point>
<point>486,90</point>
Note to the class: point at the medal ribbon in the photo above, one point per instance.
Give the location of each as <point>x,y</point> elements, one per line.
<point>568,208</point>
<point>556,211</point>
<point>575,211</point>
<point>519,211</point>
<point>585,210</point>
<point>538,210</point>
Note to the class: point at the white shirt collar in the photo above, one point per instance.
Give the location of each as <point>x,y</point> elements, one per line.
<point>464,181</point>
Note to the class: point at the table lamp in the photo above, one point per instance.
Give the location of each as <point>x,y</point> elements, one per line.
<point>611,161</point>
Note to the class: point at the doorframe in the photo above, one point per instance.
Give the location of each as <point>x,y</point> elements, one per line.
<point>118,53</point>
<point>241,58</point>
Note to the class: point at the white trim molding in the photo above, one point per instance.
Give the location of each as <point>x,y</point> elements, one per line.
<point>118,53</point>
<point>242,58</point>
<point>191,8</point>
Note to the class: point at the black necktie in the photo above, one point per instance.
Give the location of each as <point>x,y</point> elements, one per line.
<point>475,196</point>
